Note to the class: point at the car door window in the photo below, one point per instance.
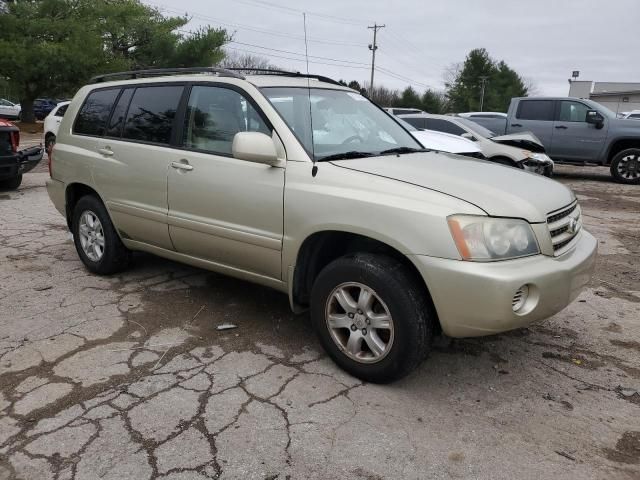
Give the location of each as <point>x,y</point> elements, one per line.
<point>444,126</point>
<point>215,115</point>
<point>114,129</point>
<point>573,111</point>
<point>535,110</point>
<point>151,114</point>
<point>416,122</point>
<point>95,111</point>
<point>61,111</point>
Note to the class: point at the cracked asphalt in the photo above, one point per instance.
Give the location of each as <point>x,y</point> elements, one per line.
<point>127,377</point>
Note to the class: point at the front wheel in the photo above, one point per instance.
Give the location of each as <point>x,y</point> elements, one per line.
<point>372,317</point>
<point>11,183</point>
<point>625,166</point>
<point>96,240</point>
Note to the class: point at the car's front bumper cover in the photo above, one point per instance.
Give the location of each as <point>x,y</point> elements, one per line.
<point>474,299</point>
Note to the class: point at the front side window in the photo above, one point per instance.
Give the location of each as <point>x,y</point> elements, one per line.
<point>573,111</point>
<point>335,122</point>
<point>215,115</point>
<point>151,114</point>
<point>419,123</point>
<point>95,112</point>
<point>535,110</point>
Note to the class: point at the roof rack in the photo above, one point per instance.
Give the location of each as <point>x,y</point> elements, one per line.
<point>160,72</point>
<point>284,73</point>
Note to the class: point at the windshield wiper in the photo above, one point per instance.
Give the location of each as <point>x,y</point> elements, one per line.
<point>346,156</point>
<point>401,150</point>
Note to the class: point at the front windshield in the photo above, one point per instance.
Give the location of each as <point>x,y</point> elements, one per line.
<point>477,128</point>
<point>343,122</point>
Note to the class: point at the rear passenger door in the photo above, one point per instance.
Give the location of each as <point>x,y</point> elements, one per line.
<point>535,116</point>
<point>222,209</point>
<point>133,153</point>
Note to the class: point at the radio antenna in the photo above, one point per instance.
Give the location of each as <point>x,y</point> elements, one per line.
<point>314,169</point>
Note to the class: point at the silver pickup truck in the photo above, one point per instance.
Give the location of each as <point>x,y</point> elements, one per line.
<point>577,131</point>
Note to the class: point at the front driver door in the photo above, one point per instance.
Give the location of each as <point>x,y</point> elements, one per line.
<point>573,138</point>
<point>222,209</point>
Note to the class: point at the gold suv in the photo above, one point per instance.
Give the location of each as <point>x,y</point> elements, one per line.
<point>303,185</point>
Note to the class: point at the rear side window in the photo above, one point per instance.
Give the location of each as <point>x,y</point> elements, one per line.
<point>151,114</point>
<point>535,110</point>
<point>61,111</point>
<point>117,117</point>
<point>444,126</point>
<point>94,114</point>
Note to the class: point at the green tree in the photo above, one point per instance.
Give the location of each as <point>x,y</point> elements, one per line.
<point>464,88</point>
<point>51,47</point>
<point>409,98</point>
<point>433,102</point>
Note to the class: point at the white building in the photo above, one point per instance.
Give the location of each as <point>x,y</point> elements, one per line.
<point>616,96</point>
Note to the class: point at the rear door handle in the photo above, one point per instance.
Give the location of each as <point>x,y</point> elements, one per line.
<point>182,165</point>
<point>561,127</point>
<point>106,151</point>
<point>516,125</point>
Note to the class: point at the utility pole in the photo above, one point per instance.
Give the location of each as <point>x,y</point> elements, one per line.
<point>483,79</point>
<point>373,47</point>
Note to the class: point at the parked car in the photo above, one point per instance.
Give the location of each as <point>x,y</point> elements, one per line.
<point>43,106</point>
<point>52,124</point>
<point>579,131</point>
<point>383,242</point>
<point>402,111</point>
<point>9,109</point>
<point>522,151</point>
<point>487,119</point>
<point>443,142</point>
<point>634,114</point>
<point>14,162</point>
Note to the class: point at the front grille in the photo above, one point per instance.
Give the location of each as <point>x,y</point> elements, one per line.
<point>564,226</point>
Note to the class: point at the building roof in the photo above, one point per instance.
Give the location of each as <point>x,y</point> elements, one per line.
<point>615,87</point>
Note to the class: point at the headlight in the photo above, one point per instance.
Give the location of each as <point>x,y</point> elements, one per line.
<point>541,157</point>
<point>487,239</point>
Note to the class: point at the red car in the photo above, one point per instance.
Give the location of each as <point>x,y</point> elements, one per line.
<point>14,162</point>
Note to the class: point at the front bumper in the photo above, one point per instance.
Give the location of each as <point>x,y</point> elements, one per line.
<point>22,162</point>
<point>475,299</point>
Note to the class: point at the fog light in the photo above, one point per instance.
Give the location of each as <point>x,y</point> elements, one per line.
<point>520,298</point>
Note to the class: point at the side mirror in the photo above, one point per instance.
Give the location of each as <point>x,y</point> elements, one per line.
<point>255,147</point>
<point>469,136</point>
<point>595,118</point>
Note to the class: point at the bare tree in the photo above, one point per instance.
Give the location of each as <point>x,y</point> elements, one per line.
<point>383,96</point>
<point>451,74</point>
<point>234,59</point>
<point>532,88</point>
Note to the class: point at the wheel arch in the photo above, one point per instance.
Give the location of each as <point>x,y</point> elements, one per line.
<point>74,192</point>
<point>322,247</point>
<point>619,145</point>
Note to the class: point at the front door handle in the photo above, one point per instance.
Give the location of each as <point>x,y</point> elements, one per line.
<point>561,127</point>
<point>106,151</point>
<point>182,165</point>
<point>516,125</point>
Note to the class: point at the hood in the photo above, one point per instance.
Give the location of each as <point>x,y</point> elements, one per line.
<point>521,140</point>
<point>626,124</point>
<point>444,142</point>
<point>498,190</point>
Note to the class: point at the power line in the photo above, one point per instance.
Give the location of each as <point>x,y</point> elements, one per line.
<point>296,53</point>
<point>271,55</point>
<point>296,11</point>
<point>254,29</point>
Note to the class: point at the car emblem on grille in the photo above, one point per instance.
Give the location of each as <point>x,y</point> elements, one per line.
<point>572,227</point>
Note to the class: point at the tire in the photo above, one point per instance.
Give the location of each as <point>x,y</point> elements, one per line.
<point>396,292</point>
<point>11,183</point>
<point>112,257</point>
<point>625,166</point>
<point>49,142</point>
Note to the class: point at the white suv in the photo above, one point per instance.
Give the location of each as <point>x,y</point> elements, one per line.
<point>303,185</point>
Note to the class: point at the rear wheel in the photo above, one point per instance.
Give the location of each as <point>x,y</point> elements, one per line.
<point>625,166</point>
<point>96,240</point>
<point>11,183</point>
<point>372,317</point>
<point>49,142</point>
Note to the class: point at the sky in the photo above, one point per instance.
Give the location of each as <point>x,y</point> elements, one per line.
<point>543,40</point>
